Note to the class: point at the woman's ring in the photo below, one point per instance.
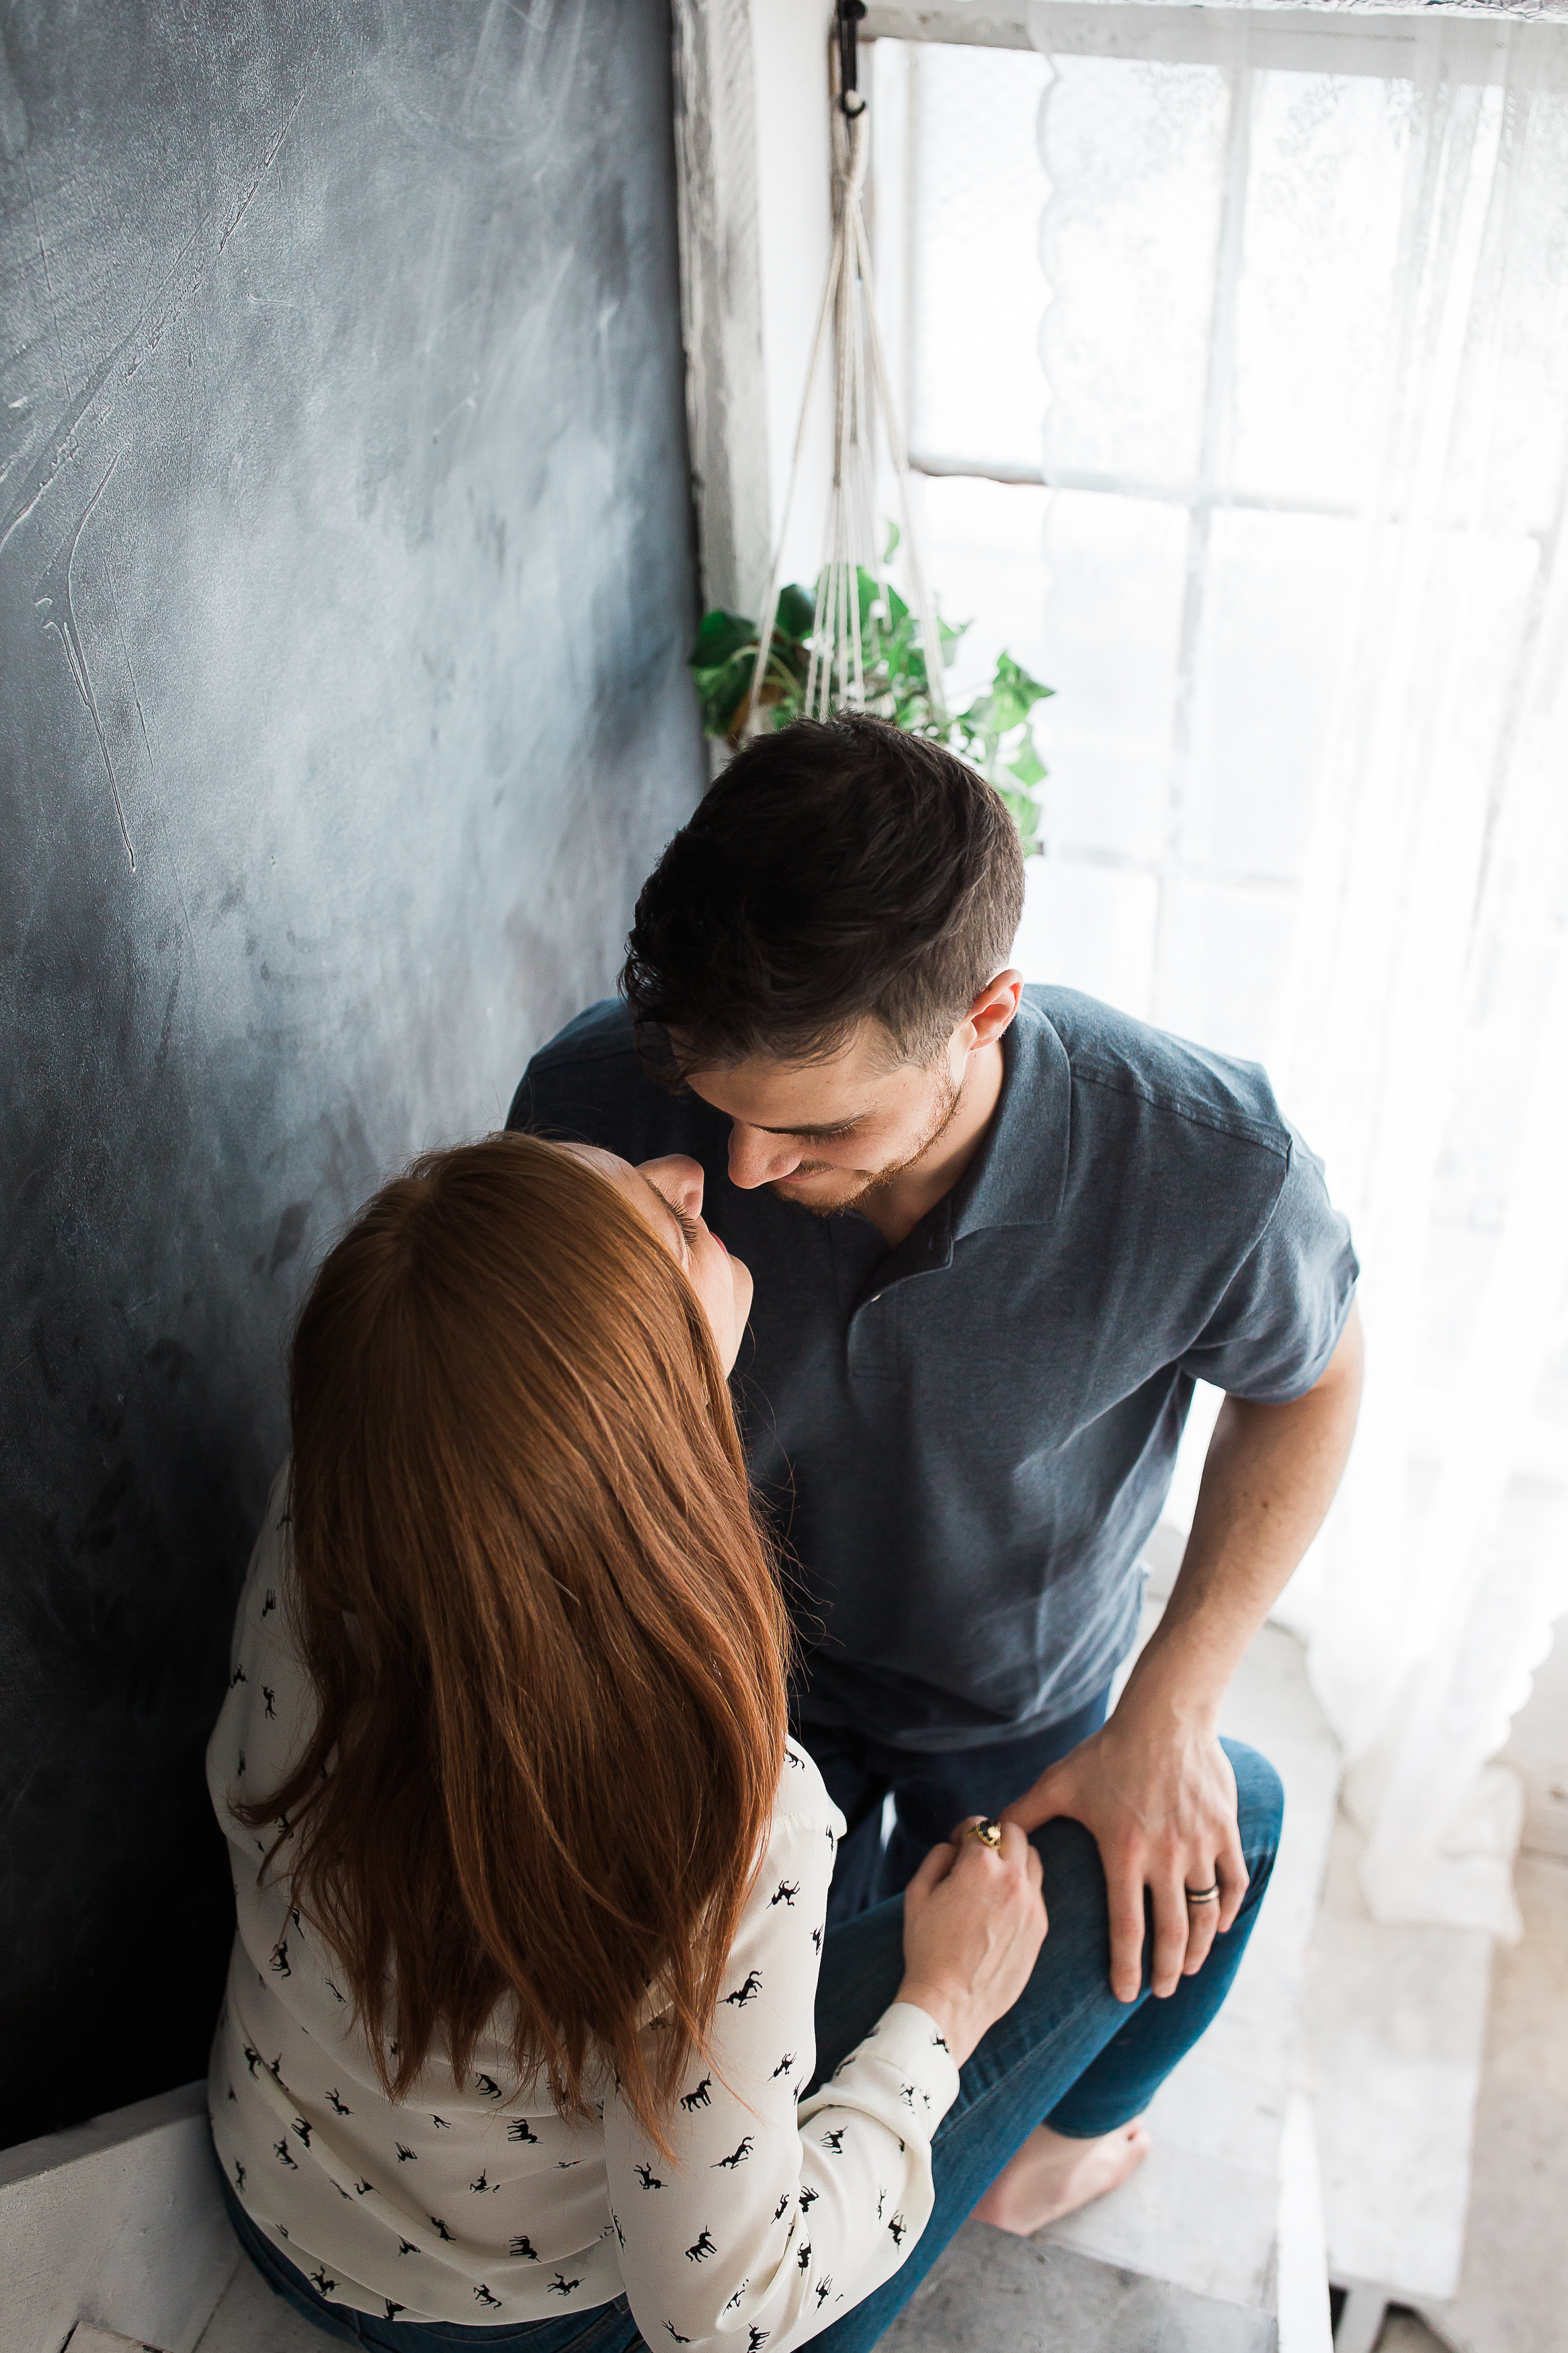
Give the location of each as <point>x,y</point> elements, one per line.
<point>988,1833</point>
<point>1204,1894</point>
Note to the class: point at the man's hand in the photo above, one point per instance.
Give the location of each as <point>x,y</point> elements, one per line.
<point>1160,1799</point>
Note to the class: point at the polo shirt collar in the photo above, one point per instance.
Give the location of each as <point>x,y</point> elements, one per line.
<point>1019,1173</point>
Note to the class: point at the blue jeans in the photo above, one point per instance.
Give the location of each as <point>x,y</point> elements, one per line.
<point>931,1791</point>
<point>1066,2050</point>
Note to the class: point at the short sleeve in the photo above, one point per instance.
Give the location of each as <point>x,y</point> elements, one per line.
<point>1281,1317</point>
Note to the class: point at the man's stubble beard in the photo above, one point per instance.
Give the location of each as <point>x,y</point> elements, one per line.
<point>953,1096</point>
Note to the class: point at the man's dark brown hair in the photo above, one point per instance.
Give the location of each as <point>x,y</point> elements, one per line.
<point>836,870</point>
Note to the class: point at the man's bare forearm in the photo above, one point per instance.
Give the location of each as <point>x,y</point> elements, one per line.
<point>1153,1785</point>
<point>1268,1478</point>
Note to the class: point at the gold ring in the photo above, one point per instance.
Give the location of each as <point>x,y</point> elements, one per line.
<point>988,1833</point>
<point>1204,1894</point>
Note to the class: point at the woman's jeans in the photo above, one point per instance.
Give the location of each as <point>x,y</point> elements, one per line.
<point>1068,2049</point>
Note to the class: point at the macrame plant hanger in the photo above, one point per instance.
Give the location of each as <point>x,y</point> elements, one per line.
<point>845,630</point>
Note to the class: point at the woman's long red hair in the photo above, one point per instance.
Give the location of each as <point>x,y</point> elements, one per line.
<point>545,1632</point>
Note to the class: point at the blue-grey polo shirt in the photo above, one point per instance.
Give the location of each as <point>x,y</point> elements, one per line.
<point>966,1441</point>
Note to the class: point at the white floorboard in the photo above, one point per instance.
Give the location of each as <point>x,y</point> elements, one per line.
<point>1397,2024</point>
<point>118,2222</point>
<point>1512,2296</point>
<point>995,2294</point>
<point>1203,2211</point>
<point>250,2319</point>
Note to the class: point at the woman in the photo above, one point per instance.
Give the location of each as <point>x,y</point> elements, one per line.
<point>519,2041</point>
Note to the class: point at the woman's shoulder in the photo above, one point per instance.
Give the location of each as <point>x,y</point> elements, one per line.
<point>802,1793</point>
<point>269,1706</point>
<point>268,1568</point>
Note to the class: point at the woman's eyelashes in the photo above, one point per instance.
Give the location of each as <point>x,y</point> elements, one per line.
<point>689,1227</point>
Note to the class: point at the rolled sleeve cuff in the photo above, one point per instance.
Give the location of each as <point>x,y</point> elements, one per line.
<point>902,2073</point>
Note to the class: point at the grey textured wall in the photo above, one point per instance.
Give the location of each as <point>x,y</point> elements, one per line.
<point>345,579</point>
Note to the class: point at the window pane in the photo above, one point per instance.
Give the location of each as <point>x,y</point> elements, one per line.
<point>1135,156</point>
<point>1250,285</point>
<point>1321,235</point>
<point>1117,569</point>
<point>1276,590</point>
<point>976,188</point>
<point>983,550</point>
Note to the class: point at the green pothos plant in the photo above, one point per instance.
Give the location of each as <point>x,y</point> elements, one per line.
<point>996,733</point>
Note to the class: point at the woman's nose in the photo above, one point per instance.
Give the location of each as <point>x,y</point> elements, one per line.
<point>679,1179</point>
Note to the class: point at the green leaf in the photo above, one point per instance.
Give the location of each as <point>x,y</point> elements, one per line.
<point>719,635</point>
<point>1028,767</point>
<point>788,657</point>
<point>899,640</point>
<point>785,673</point>
<point>1004,711</point>
<point>721,689</point>
<point>1012,695</point>
<point>1013,677</point>
<point>950,637</point>
<point>775,715</point>
<point>1026,815</point>
<point>891,549</point>
<point>795,611</point>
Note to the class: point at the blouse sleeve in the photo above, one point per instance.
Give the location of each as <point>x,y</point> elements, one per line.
<point>770,2219</point>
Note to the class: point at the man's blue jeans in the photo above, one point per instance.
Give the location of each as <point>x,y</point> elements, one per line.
<point>931,1791</point>
<point>1066,2050</point>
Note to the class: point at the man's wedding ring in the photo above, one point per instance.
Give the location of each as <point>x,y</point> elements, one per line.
<point>988,1833</point>
<point>1204,1894</point>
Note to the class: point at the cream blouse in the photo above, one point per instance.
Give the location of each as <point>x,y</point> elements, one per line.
<point>474,2201</point>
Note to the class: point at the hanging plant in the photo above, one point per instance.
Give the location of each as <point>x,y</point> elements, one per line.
<point>854,644</point>
<point>996,734</point>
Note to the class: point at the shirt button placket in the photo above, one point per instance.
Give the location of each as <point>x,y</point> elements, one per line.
<point>874,1339</point>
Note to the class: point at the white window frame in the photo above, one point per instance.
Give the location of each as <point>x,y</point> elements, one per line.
<point>717,97</point>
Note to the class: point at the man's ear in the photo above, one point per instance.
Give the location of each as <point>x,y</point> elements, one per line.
<point>995,1007</point>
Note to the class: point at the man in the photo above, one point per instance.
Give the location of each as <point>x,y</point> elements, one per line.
<point>996,1235</point>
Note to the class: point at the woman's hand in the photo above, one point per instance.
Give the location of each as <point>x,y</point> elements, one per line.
<point>974,1921</point>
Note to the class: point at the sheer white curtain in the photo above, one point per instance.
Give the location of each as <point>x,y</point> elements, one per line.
<point>1307,450</point>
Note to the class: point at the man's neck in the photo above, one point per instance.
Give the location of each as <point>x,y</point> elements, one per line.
<point>896,1207</point>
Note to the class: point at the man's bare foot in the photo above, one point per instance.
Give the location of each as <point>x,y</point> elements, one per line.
<point>1052,2176</point>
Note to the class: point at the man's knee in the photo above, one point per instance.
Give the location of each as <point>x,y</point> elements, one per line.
<point>1067,1848</point>
<point>1259,1805</point>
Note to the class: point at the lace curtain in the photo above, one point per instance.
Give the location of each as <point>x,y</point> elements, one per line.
<point>1305,454</point>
